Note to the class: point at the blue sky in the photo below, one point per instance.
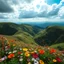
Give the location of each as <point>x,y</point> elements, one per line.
<point>53,1</point>
<point>32,10</point>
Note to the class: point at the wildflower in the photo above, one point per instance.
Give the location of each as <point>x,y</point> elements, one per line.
<point>54,60</point>
<point>19,53</point>
<point>4,58</point>
<point>14,51</point>
<point>10,55</point>
<point>41,51</point>
<point>25,49</point>
<point>20,59</point>
<point>41,62</point>
<point>9,52</point>
<point>27,54</point>
<point>35,61</point>
<point>32,52</point>
<point>14,44</point>
<point>52,51</point>
<point>29,62</point>
<point>58,59</point>
<point>35,55</point>
<point>20,48</point>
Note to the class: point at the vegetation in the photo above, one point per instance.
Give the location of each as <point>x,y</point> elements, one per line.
<point>51,35</point>
<point>10,53</point>
<point>32,34</point>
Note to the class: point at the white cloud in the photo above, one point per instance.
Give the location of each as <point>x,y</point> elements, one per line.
<point>34,9</point>
<point>61,12</point>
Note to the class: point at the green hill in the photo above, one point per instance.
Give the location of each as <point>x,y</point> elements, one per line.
<point>59,46</point>
<point>30,29</point>
<point>33,35</point>
<point>23,32</point>
<point>50,35</point>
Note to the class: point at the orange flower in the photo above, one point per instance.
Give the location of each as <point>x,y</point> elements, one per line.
<point>41,62</point>
<point>12,41</point>
<point>54,60</point>
<point>10,55</point>
<point>41,51</point>
<point>52,51</point>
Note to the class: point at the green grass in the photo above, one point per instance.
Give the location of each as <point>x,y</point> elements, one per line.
<point>58,46</point>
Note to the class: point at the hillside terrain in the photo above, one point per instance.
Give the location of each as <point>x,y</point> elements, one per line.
<point>50,35</point>
<point>34,35</point>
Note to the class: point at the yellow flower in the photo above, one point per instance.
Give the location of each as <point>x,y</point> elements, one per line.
<point>25,49</point>
<point>41,62</point>
<point>58,54</point>
<point>54,60</point>
<point>14,44</point>
<point>29,62</point>
<point>27,54</point>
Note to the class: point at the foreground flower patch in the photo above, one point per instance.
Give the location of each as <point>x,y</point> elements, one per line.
<point>11,54</point>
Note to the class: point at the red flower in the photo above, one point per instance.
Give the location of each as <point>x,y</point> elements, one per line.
<point>19,53</point>
<point>10,55</point>
<point>58,59</point>
<point>8,46</point>
<point>52,51</point>
<point>41,51</point>
<point>35,55</point>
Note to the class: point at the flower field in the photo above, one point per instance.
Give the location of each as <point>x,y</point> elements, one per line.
<point>12,54</point>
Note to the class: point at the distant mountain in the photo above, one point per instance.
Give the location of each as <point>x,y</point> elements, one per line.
<point>44,24</point>
<point>50,35</point>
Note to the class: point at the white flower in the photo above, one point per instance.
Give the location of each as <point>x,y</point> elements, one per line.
<point>14,51</point>
<point>35,51</point>
<point>33,59</point>
<point>20,48</point>
<point>20,59</point>
<point>36,62</point>
<point>62,54</point>
<point>21,54</point>
<point>5,46</point>
<point>9,52</point>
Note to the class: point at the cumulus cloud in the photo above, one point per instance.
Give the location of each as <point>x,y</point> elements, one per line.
<point>29,14</point>
<point>5,7</point>
<point>61,12</point>
<point>30,9</point>
<point>41,9</point>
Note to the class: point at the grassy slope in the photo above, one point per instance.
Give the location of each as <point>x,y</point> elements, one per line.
<point>23,35</point>
<point>59,46</point>
<point>51,35</point>
<point>26,33</point>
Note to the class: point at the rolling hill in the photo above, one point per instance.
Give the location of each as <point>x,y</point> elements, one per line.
<point>34,35</point>
<point>51,35</point>
<point>23,33</point>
